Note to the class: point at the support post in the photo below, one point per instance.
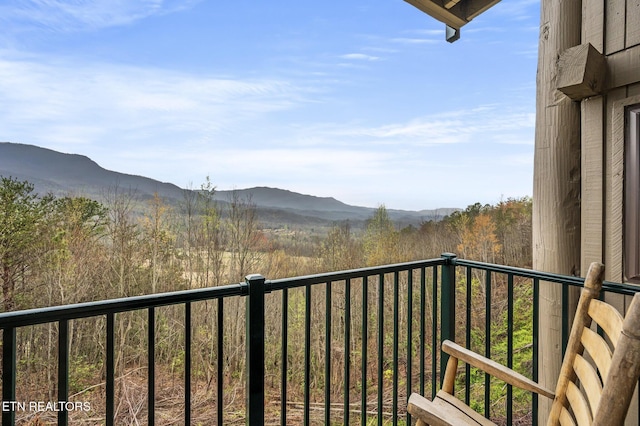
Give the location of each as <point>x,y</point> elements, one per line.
<point>448,306</point>
<point>556,181</point>
<point>255,349</point>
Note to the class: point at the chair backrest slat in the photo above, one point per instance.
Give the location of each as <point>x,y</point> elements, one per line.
<point>608,318</point>
<point>566,419</point>
<point>598,349</point>
<point>590,380</point>
<point>579,404</point>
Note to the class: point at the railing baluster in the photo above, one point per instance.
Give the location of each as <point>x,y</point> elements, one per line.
<point>151,362</point>
<point>8,373</point>
<point>187,363</point>
<point>536,353</point>
<point>565,317</point>
<point>409,337</point>
<point>487,344</point>
<point>380,345</point>
<point>327,355</point>
<point>365,338</point>
<point>307,355</point>
<point>467,367</point>
<point>396,331</point>
<point>448,308</point>
<point>284,357</point>
<point>510,345</point>
<point>110,370</point>
<point>63,370</point>
<point>347,349</point>
<point>220,366</point>
<point>434,334</point>
<point>423,320</point>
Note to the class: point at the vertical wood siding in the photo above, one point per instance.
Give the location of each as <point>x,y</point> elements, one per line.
<point>612,27</point>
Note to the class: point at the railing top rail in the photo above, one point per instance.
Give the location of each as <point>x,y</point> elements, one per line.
<point>607,286</point>
<point>103,307</point>
<point>301,281</point>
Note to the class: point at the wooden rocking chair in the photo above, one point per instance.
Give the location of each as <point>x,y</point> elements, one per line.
<point>581,397</point>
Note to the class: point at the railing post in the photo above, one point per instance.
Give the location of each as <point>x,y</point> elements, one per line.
<point>448,306</point>
<point>255,349</point>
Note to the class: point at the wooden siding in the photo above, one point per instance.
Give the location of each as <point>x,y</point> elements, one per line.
<point>592,171</point>
<point>612,27</point>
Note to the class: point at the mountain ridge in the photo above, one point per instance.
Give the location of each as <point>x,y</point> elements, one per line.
<point>62,174</point>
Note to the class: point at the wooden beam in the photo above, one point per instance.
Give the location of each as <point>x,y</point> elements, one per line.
<point>581,72</point>
<point>439,12</point>
<point>471,8</point>
<point>450,3</point>
<point>454,13</point>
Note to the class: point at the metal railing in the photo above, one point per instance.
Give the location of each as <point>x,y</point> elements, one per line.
<point>352,345</point>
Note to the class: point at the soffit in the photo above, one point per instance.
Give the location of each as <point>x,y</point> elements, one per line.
<point>454,13</point>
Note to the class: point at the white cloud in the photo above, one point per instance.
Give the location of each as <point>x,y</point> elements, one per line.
<point>486,123</point>
<point>414,40</point>
<point>81,15</point>
<point>57,102</point>
<point>517,10</point>
<point>360,57</point>
<point>426,32</point>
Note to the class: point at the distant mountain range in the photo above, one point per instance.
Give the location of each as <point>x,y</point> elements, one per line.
<point>71,174</point>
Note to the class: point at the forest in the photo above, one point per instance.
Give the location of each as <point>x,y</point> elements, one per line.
<point>65,250</point>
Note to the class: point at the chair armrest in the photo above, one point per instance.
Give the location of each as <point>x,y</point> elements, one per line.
<point>494,369</point>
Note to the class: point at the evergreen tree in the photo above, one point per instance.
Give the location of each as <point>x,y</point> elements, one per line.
<point>23,217</point>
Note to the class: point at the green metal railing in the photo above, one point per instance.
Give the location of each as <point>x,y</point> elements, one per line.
<point>367,339</point>
<point>378,296</point>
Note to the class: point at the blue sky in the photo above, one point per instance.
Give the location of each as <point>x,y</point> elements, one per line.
<point>360,100</point>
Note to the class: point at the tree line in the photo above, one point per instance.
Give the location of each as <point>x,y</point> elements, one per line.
<point>73,249</point>
<point>77,249</point>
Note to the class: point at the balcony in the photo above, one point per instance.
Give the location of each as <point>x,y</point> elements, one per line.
<point>345,347</point>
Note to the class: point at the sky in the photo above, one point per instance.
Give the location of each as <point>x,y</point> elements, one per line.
<point>360,100</point>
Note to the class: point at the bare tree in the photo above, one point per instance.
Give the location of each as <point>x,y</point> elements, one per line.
<point>244,235</point>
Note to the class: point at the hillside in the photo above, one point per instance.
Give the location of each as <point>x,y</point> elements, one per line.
<point>64,174</point>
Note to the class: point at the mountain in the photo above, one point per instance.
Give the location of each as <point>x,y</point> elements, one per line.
<point>65,174</point>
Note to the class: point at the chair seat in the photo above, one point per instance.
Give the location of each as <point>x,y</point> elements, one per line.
<point>445,410</point>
